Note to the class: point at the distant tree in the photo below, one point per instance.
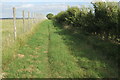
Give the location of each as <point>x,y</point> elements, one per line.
<point>50,16</point>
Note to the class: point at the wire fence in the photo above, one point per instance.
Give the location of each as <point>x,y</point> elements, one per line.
<point>13,28</point>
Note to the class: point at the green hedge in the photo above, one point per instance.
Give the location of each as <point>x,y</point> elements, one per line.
<point>101,20</point>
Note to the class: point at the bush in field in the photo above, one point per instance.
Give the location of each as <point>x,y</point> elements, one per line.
<point>106,18</point>
<point>50,16</point>
<point>61,17</point>
<point>68,17</point>
<point>89,22</point>
<point>103,21</point>
<point>72,15</point>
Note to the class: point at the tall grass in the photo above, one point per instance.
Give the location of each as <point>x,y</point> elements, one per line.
<point>8,30</point>
<point>9,46</point>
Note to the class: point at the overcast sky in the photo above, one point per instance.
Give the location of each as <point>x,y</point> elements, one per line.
<point>39,6</point>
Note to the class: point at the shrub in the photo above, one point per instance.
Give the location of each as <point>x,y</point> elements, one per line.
<point>50,16</point>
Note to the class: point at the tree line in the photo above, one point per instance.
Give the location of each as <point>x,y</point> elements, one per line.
<point>102,19</point>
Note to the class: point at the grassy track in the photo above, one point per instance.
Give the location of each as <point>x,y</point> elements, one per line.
<point>62,63</point>
<point>52,52</point>
<point>31,59</point>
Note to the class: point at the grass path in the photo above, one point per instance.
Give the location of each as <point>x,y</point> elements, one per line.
<point>31,60</point>
<point>63,64</point>
<point>51,53</point>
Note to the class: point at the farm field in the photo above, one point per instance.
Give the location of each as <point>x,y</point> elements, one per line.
<point>8,30</point>
<point>8,34</point>
<point>49,51</point>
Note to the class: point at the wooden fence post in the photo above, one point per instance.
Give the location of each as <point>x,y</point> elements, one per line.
<point>23,13</point>
<point>35,18</point>
<point>14,22</point>
<point>32,18</point>
<point>28,20</point>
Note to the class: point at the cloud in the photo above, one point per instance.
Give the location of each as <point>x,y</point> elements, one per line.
<point>24,6</point>
<point>27,6</point>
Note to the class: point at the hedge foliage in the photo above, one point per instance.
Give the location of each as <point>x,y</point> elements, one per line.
<point>103,19</point>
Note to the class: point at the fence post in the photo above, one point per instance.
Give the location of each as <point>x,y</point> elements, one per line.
<point>28,20</point>
<point>14,22</point>
<point>32,18</point>
<point>23,13</point>
<point>35,18</point>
